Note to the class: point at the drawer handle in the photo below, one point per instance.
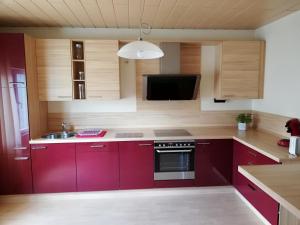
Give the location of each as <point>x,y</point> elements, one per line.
<point>252,153</point>
<point>97,146</point>
<point>145,144</point>
<point>20,148</point>
<point>251,187</point>
<point>250,163</point>
<point>203,143</point>
<point>21,158</point>
<point>39,148</point>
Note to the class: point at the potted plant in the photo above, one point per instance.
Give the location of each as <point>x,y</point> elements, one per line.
<point>243,119</point>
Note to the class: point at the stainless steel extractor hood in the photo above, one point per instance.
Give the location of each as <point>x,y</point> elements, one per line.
<point>170,63</point>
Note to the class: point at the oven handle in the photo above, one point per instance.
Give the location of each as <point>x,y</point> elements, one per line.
<point>174,151</point>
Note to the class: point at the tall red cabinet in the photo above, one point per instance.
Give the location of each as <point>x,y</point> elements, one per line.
<point>15,167</point>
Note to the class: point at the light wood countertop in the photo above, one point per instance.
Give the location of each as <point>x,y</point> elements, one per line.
<point>281,182</point>
<point>262,142</point>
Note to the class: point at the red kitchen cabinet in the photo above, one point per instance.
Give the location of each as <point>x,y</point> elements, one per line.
<point>213,162</point>
<point>14,134</point>
<point>136,164</point>
<point>53,168</point>
<point>97,166</point>
<point>243,155</point>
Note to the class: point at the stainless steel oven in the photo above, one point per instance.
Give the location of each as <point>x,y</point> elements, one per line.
<point>174,160</point>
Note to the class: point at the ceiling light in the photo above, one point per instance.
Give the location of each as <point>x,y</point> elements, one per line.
<point>141,49</point>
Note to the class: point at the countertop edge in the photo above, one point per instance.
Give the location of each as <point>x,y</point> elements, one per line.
<point>293,209</point>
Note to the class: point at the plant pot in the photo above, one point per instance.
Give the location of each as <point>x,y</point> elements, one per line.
<point>242,126</point>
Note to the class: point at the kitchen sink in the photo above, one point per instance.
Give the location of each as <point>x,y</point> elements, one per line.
<point>59,135</point>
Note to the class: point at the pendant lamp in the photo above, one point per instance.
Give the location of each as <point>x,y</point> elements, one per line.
<point>141,49</point>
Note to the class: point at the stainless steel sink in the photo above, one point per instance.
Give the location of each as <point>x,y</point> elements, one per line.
<point>59,135</point>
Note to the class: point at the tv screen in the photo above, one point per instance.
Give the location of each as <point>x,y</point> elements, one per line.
<point>171,87</point>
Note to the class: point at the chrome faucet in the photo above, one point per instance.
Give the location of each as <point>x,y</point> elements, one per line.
<point>64,129</point>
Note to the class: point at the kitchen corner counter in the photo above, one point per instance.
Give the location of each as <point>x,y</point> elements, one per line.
<point>260,141</point>
<point>281,182</point>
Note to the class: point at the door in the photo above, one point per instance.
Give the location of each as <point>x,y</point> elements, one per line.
<point>136,164</point>
<point>54,69</point>
<point>53,168</point>
<point>213,162</point>
<point>97,166</point>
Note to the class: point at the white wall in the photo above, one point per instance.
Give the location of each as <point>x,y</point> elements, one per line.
<point>282,71</point>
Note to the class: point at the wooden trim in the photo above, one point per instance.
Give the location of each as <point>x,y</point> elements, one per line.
<point>37,110</point>
<point>262,69</point>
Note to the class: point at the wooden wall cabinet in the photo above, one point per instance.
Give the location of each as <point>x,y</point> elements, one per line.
<point>102,69</point>
<point>240,70</point>
<point>54,69</point>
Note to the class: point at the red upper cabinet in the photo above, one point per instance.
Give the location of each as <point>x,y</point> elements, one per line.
<point>136,164</point>
<point>243,155</point>
<point>97,166</point>
<point>53,168</point>
<point>213,162</point>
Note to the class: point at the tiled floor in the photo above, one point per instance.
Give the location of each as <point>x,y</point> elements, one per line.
<point>183,206</point>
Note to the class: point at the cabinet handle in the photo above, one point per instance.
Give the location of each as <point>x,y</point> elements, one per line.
<point>97,146</point>
<point>203,143</point>
<point>61,96</point>
<point>251,187</point>
<point>20,148</point>
<point>250,163</point>
<point>145,144</point>
<point>39,148</point>
<point>95,96</point>
<point>17,82</point>
<point>252,153</point>
<point>21,158</point>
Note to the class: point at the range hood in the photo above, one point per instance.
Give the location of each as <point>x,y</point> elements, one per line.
<point>170,84</point>
<point>170,63</point>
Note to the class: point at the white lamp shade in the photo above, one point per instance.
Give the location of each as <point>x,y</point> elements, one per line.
<point>140,50</point>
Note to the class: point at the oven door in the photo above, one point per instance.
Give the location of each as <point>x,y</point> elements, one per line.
<point>174,164</point>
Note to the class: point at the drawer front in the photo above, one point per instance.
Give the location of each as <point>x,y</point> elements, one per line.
<point>266,205</point>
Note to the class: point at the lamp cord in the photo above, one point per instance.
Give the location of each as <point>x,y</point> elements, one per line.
<point>145,28</point>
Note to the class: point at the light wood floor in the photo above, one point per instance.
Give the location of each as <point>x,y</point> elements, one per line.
<point>181,206</point>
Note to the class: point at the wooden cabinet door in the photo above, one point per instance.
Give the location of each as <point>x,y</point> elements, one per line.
<point>53,168</point>
<point>102,69</point>
<point>241,70</point>
<point>136,164</point>
<point>54,69</point>
<point>213,162</point>
<point>97,166</point>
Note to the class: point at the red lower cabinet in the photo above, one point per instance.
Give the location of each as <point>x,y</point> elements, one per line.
<point>136,164</point>
<point>20,176</point>
<point>53,168</point>
<point>267,206</point>
<point>97,166</point>
<point>213,162</point>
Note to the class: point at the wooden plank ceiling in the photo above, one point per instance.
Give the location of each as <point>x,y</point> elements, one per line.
<point>193,14</point>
